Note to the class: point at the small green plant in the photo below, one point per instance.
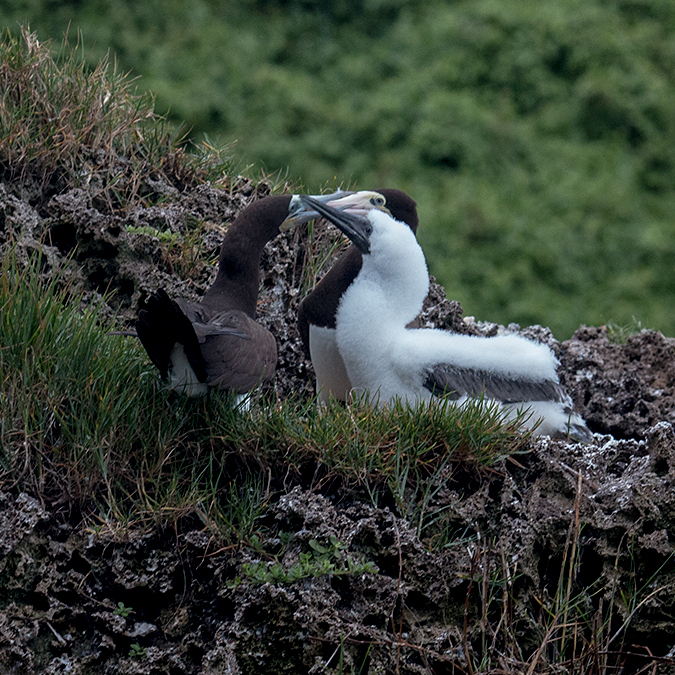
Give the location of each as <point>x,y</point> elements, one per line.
<point>285,538</point>
<point>619,333</point>
<point>165,236</point>
<point>137,652</point>
<point>184,252</point>
<point>333,549</point>
<point>328,559</point>
<point>122,610</point>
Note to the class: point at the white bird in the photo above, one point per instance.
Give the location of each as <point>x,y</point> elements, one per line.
<point>317,311</point>
<point>390,361</point>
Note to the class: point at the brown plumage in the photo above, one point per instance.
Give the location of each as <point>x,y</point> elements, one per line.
<point>217,342</point>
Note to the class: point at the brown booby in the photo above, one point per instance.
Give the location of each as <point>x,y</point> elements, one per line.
<point>316,314</point>
<point>217,342</point>
<point>390,361</point>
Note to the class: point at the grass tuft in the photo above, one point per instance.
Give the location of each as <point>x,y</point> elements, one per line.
<point>619,333</point>
<point>86,422</point>
<point>63,124</point>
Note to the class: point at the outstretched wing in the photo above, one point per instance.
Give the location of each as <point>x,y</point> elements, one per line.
<point>455,382</point>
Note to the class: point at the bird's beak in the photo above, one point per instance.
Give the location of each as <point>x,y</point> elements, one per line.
<point>359,203</point>
<point>298,214</point>
<point>357,227</point>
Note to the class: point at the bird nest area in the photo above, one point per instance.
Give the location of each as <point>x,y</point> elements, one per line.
<point>142,532</point>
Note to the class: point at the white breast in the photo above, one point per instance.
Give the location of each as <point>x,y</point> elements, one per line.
<point>331,374</point>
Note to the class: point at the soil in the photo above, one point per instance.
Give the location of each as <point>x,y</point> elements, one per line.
<point>600,517</point>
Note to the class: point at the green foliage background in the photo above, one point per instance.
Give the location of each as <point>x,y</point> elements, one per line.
<point>538,136</point>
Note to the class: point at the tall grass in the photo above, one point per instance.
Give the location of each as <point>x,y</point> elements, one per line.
<point>564,627</point>
<point>86,422</point>
<point>63,124</point>
<point>74,398</point>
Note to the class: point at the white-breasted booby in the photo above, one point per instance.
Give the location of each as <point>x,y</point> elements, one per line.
<point>217,342</point>
<point>316,313</point>
<point>390,361</point>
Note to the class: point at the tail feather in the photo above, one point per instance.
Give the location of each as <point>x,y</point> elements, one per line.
<point>578,431</point>
<point>160,325</point>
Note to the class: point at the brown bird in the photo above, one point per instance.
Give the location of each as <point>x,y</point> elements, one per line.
<point>216,343</point>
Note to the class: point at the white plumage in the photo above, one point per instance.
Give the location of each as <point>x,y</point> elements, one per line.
<point>316,313</point>
<point>391,361</point>
<point>332,380</point>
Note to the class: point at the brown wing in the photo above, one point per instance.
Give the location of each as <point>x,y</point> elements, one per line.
<point>234,363</point>
<point>457,382</point>
<point>162,323</point>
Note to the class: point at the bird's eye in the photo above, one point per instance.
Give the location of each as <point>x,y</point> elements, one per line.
<point>378,201</point>
<point>295,205</point>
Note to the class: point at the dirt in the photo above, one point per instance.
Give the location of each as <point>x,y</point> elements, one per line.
<point>594,521</point>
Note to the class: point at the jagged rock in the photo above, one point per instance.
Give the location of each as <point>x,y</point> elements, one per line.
<point>186,604</point>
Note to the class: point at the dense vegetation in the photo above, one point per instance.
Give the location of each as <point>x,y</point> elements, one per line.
<point>538,138</point>
<point>68,435</point>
